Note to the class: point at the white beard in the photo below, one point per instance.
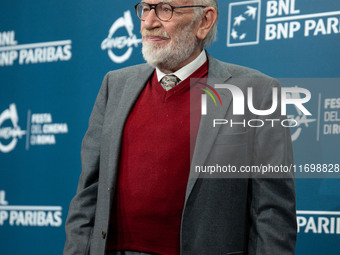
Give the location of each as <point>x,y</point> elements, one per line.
<point>171,55</point>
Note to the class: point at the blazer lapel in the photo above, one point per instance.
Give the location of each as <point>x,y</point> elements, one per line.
<point>134,86</point>
<point>206,133</point>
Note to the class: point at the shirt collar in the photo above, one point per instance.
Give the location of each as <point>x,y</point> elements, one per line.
<point>187,70</point>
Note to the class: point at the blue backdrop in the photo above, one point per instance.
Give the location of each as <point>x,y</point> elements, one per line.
<point>54,55</point>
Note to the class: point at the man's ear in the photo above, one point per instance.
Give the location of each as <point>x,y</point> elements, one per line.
<point>207,21</point>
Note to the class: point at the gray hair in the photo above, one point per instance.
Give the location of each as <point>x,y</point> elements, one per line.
<point>211,36</point>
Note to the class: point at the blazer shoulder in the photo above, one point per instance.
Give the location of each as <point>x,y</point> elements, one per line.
<point>243,71</point>
<point>132,78</point>
<point>129,71</point>
<point>251,77</point>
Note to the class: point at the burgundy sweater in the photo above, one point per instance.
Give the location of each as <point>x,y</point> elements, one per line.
<point>154,169</point>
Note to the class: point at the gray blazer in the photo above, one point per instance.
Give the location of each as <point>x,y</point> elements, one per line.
<point>220,215</point>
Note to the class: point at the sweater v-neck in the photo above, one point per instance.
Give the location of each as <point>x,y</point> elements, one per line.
<point>181,87</point>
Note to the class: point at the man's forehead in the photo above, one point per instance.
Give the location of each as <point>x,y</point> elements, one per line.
<point>173,2</point>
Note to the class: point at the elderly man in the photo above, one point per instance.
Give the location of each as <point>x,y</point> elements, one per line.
<point>139,191</point>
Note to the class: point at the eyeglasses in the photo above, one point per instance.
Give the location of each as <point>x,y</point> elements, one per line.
<point>164,11</point>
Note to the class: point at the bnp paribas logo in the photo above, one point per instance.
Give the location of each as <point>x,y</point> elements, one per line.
<point>244,23</point>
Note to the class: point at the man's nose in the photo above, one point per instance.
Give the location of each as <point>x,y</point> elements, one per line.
<point>152,21</point>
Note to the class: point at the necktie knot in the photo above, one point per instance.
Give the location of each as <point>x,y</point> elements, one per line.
<point>169,81</point>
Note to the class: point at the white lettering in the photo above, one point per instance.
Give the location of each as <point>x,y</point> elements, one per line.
<point>7,38</point>
<point>2,198</point>
<point>270,33</point>
<point>3,217</point>
<point>332,103</point>
<point>282,30</point>
<point>320,28</point>
<point>318,225</point>
<point>311,226</point>
<point>295,101</point>
<point>42,139</point>
<point>45,54</point>
<point>281,7</point>
<point>55,128</point>
<point>7,58</point>
<point>262,112</point>
<point>323,224</point>
<point>41,118</point>
<point>301,222</point>
<point>238,100</point>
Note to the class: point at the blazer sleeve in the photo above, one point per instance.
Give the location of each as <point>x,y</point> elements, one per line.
<point>273,209</point>
<point>80,219</point>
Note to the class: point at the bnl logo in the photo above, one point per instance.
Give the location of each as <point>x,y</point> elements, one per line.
<point>244,23</point>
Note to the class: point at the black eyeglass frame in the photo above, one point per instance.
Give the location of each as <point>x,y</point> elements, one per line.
<point>154,6</point>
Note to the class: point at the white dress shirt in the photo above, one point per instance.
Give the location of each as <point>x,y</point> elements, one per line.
<point>187,70</point>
